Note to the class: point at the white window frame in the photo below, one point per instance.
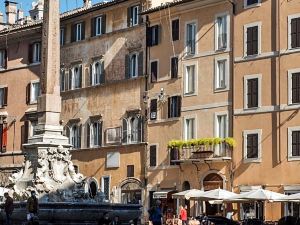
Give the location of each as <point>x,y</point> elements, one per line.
<point>185,78</point>
<point>76,137</point>
<point>102,185</point>
<point>216,130</point>
<point>156,159</point>
<point>94,75</point>
<point>227,71</point>
<point>129,138</point>
<point>290,17</point>
<point>290,131</point>
<point>3,59</point>
<point>78,32</point>
<point>136,69</point>
<point>245,134</point>
<point>73,78</point>
<point>97,21</point>
<point>196,37</point>
<point>227,15</point>
<point>135,16</point>
<point>185,127</point>
<point>32,83</point>
<point>246,78</point>
<point>62,36</point>
<point>36,52</point>
<point>246,26</point>
<point>92,135</point>
<point>290,85</point>
<point>246,6</point>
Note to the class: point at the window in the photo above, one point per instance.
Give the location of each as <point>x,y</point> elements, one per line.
<point>174,155</point>
<point>153,35</point>
<point>175,30</point>
<point>252,39</point>
<point>130,171</point>
<point>293,143</point>
<point>294,86</point>
<point>3,59</point>
<point>221,73</point>
<point>78,32</point>
<point>94,134</point>
<point>174,106</point>
<point>75,136</point>
<point>252,146</point>
<point>35,52</point>
<point>113,135</point>
<point>75,77</point>
<point>32,127</point>
<point>62,36</point>
<point>3,137</point>
<point>133,65</point>
<point>294,31</point>
<point>132,129</point>
<point>174,67</point>
<point>97,73</point>
<point>252,91</point>
<point>221,131</point>
<point>292,208</point>
<point>251,210</point>
<point>98,25</point>
<point>250,3</point>
<point>153,157</point>
<point>222,30</point>
<point>189,128</point>
<point>154,71</point>
<point>62,80</point>
<point>34,92</point>
<point>133,16</point>
<point>191,38</point>
<point>190,80</point>
<point>105,187</point>
<point>3,96</point>
<point>153,109</point>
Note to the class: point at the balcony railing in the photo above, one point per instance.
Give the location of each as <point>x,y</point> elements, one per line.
<point>185,151</point>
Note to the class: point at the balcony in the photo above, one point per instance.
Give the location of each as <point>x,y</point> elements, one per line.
<point>201,150</point>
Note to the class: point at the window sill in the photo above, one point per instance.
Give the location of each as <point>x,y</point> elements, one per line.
<point>252,6</point>
<point>174,119</point>
<point>219,90</point>
<point>189,95</point>
<point>221,50</point>
<point>293,158</point>
<point>254,160</point>
<point>34,63</point>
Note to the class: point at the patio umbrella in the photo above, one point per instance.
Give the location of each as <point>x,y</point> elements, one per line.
<point>293,197</point>
<point>187,194</point>
<point>259,195</point>
<point>216,194</point>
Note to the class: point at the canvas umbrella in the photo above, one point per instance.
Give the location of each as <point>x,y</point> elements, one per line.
<point>216,194</point>
<point>259,195</point>
<point>294,197</point>
<point>188,194</point>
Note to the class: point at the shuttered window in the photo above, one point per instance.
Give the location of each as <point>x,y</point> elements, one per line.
<point>175,30</point>
<point>133,17</point>
<point>174,155</point>
<point>78,32</point>
<point>252,93</point>
<point>98,25</point>
<point>296,88</point>
<point>153,109</point>
<point>295,33</point>
<point>252,146</point>
<point>153,35</point>
<point>63,36</point>
<point>174,67</point>
<point>3,59</point>
<point>296,143</point>
<point>252,40</point>
<point>153,156</point>
<point>3,96</point>
<point>94,134</point>
<point>130,171</point>
<point>154,71</point>
<point>174,106</point>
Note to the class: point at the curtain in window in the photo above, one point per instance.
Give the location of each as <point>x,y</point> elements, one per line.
<point>190,81</point>
<point>221,73</point>
<point>222,35</point>
<point>189,129</point>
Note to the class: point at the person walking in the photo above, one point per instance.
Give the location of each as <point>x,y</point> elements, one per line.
<point>8,207</point>
<point>183,215</point>
<point>32,207</point>
<point>155,214</point>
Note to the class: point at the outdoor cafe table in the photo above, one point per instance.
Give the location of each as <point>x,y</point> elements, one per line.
<point>179,222</point>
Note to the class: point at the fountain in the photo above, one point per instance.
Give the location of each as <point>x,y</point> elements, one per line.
<point>48,168</point>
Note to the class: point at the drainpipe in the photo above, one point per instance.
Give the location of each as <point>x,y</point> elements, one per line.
<point>279,86</point>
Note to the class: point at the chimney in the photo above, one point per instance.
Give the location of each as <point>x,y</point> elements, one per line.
<point>36,13</point>
<point>20,17</point>
<point>1,21</point>
<point>11,11</point>
<point>87,3</point>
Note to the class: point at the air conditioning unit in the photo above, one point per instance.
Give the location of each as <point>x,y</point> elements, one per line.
<point>153,115</point>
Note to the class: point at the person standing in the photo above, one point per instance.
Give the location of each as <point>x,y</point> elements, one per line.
<point>8,207</point>
<point>32,206</point>
<point>155,214</point>
<point>183,215</point>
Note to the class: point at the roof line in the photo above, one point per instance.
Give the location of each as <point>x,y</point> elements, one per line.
<point>165,6</point>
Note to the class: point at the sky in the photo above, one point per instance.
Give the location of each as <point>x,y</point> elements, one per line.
<point>65,5</point>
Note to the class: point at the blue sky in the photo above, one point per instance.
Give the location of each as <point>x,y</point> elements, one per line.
<point>65,5</point>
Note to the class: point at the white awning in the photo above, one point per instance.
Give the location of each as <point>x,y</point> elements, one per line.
<point>161,194</point>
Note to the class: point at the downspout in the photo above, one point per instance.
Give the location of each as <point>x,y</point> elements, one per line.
<point>279,83</point>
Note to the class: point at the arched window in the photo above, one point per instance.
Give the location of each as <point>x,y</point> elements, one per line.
<point>75,136</point>
<point>132,129</point>
<point>92,189</point>
<point>186,186</point>
<point>97,72</point>
<point>75,76</point>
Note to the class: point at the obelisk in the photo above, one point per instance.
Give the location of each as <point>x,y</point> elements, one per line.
<point>48,167</point>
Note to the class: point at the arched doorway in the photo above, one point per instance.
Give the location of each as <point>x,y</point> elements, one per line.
<point>131,191</point>
<point>186,186</point>
<point>212,181</point>
<point>91,187</point>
